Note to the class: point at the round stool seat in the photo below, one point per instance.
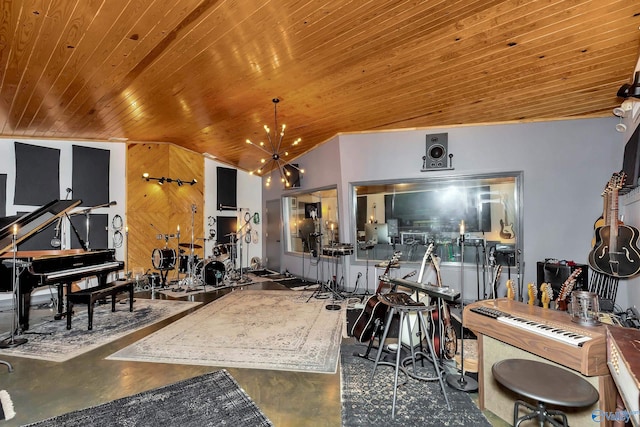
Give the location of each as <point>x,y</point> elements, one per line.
<point>545,383</point>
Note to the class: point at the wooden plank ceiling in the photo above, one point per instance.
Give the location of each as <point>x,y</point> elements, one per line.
<point>202,73</point>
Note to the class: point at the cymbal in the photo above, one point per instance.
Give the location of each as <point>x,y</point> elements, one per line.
<point>188,245</point>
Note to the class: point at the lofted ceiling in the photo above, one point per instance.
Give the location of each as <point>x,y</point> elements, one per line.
<point>202,73</point>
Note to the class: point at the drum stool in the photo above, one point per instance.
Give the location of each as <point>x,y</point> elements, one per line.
<point>402,304</point>
<point>547,384</point>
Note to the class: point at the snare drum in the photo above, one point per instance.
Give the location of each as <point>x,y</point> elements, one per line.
<point>163,259</point>
<point>212,273</point>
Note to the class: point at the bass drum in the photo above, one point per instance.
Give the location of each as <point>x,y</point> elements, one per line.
<point>163,259</point>
<point>213,273</point>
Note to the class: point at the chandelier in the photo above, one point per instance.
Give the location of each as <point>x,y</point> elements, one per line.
<point>276,159</point>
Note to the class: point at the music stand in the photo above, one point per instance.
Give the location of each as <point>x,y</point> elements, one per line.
<point>12,341</point>
<point>462,382</point>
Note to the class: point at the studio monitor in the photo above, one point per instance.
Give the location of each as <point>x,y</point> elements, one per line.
<point>437,152</point>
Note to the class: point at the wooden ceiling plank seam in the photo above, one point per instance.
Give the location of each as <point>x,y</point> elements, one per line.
<point>53,53</point>
<point>480,60</point>
<point>109,99</point>
<point>116,31</point>
<point>21,51</point>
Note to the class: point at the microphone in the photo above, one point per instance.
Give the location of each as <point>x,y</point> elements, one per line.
<point>112,203</point>
<point>69,190</point>
<point>55,242</point>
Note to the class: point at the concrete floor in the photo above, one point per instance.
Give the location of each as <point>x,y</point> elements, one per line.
<point>41,389</point>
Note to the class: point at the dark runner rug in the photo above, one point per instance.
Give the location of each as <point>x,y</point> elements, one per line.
<point>419,403</point>
<point>213,399</point>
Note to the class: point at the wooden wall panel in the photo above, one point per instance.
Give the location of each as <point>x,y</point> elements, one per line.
<point>153,209</point>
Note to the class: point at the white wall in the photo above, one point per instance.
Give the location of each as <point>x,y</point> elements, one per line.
<point>249,198</point>
<point>565,165</point>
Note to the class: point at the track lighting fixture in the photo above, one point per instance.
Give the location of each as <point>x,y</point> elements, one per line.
<point>162,180</point>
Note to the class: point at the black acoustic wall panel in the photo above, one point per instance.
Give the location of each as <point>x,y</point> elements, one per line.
<point>37,174</point>
<point>41,240</point>
<point>3,194</point>
<point>225,226</point>
<point>227,180</point>
<point>90,175</point>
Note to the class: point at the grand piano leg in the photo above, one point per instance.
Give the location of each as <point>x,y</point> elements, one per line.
<point>61,302</point>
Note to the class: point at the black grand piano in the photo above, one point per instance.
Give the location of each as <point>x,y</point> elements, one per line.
<point>47,267</point>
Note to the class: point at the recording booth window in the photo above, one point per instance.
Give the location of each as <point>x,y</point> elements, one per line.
<point>311,221</point>
<point>409,215</point>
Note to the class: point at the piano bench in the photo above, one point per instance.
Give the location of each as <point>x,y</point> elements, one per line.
<point>546,384</point>
<point>90,295</point>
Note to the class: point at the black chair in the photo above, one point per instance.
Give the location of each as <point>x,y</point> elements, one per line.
<point>548,385</point>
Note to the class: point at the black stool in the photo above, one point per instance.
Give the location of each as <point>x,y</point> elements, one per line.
<point>403,305</point>
<point>546,384</point>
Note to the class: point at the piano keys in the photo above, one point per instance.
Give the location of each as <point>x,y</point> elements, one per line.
<point>538,334</point>
<point>47,267</point>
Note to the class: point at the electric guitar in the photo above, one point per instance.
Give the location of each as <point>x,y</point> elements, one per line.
<point>616,252</point>
<point>496,280</point>
<point>506,229</point>
<point>565,290</point>
<point>374,310</point>
<point>547,294</point>
<point>511,290</point>
<point>532,293</point>
<point>449,344</point>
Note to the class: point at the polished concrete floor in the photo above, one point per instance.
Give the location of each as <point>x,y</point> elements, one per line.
<point>41,389</point>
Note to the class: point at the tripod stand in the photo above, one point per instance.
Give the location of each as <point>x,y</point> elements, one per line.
<point>12,341</point>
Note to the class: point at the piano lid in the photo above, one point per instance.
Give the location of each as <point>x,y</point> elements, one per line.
<point>33,222</point>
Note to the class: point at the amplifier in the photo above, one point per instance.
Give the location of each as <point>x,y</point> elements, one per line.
<point>557,273</point>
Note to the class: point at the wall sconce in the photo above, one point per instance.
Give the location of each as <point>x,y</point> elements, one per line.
<point>162,180</point>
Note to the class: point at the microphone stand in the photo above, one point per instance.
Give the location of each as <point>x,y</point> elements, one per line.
<point>462,382</point>
<point>12,341</point>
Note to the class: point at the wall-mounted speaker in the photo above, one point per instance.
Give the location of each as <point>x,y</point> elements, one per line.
<point>437,152</point>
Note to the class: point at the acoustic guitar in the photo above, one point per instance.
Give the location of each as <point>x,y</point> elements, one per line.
<point>565,290</point>
<point>365,325</point>
<point>616,252</point>
<point>448,346</point>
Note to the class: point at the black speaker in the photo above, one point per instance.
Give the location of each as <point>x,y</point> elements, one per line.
<point>437,152</point>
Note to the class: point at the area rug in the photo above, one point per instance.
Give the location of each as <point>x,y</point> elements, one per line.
<point>418,403</point>
<point>259,329</point>
<point>52,341</point>
<point>213,399</point>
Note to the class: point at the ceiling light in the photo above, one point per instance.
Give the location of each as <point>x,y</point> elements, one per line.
<point>276,155</point>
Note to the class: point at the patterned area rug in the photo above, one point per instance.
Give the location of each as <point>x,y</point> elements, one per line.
<point>259,329</point>
<point>213,399</point>
<point>52,341</point>
<point>419,403</point>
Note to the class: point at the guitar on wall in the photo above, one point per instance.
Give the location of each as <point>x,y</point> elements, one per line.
<point>616,252</point>
<point>565,290</point>
<point>374,310</point>
<point>448,346</point>
<point>506,229</point>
